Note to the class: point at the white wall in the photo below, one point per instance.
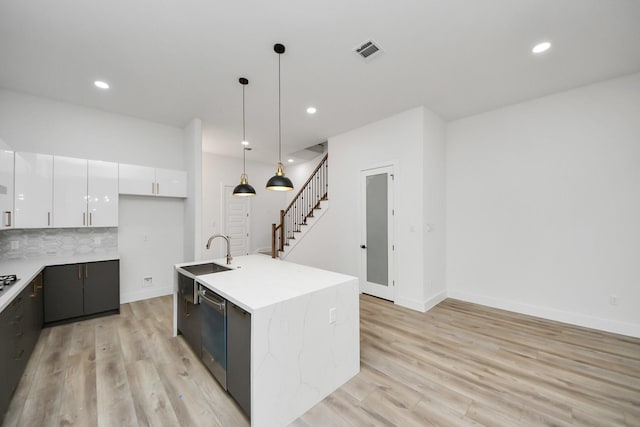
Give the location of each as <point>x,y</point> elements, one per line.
<point>334,242</point>
<point>435,286</point>
<point>543,206</point>
<point>29,123</point>
<point>150,242</point>
<point>264,208</point>
<point>193,205</point>
<point>40,125</point>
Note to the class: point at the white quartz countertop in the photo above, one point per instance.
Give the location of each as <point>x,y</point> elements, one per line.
<point>258,281</point>
<point>27,269</point>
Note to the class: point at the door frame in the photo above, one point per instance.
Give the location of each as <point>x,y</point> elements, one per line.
<point>223,212</point>
<point>391,169</point>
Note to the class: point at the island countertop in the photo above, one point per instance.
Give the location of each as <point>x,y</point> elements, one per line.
<point>305,340</point>
<point>258,281</point>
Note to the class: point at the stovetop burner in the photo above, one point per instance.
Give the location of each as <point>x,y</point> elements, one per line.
<point>7,280</point>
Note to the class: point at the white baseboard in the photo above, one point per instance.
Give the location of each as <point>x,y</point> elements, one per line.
<point>578,319</point>
<point>422,306</point>
<point>147,293</point>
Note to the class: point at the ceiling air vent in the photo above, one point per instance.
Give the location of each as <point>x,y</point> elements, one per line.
<point>368,50</point>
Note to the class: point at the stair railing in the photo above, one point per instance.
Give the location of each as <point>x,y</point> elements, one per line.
<point>301,207</point>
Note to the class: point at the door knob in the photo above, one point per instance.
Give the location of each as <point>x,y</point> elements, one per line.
<point>363,247</point>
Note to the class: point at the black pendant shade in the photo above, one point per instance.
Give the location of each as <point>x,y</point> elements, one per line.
<point>244,189</point>
<point>279,182</point>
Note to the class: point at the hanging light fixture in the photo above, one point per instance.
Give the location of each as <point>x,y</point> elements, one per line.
<point>279,182</point>
<point>244,189</point>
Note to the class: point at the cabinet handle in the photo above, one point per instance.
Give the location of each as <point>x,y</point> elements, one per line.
<point>186,308</point>
<point>90,218</point>
<point>49,218</point>
<point>79,272</point>
<point>19,334</point>
<point>153,188</point>
<point>157,188</point>
<point>17,320</point>
<point>239,310</point>
<point>8,223</point>
<point>86,271</point>
<point>19,354</point>
<point>84,218</point>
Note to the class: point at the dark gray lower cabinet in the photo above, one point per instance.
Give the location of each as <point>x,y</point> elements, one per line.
<point>76,290</point>
<point>239,356</point>
<point>20,325</point>
<point>189,317</point>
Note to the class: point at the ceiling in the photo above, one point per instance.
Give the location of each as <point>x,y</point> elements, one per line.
<point>170,61</point>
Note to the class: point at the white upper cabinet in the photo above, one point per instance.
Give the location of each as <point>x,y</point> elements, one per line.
<point>69,192</point>
<point>33,201</point>
<point>171,183</point>
<point>85,193</point>
<point>6,189</point>
<point>138,180</point>
<point>146,181</point>
<point>102,194</point>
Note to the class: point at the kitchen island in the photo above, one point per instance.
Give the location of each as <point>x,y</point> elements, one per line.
<point>304,331</point>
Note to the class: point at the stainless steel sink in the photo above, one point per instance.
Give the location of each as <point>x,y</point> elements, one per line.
<point>206,268</point>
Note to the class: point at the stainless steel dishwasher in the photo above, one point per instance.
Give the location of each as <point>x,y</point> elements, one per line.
<point>214,334</point>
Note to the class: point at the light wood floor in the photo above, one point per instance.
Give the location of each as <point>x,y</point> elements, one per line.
<point>459,364</point>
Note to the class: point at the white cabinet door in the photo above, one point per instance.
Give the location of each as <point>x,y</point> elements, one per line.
<point>6,189</point>
<point>33,197</point>
<point>139,180</point>
<point>103,194</point>
<point>171,183</point>
<point>69,192</point>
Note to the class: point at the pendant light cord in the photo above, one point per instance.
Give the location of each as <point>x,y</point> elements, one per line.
<point>244,149</point>
<point>279,114</point>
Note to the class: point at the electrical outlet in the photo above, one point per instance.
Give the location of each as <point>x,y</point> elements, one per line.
<point>147,281</point>
<point>332,315</point>
<point>15,244</point>
<point>613,299</point>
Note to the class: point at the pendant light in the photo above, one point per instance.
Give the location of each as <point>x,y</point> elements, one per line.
<point>279,182</point>
<point>244,189</point>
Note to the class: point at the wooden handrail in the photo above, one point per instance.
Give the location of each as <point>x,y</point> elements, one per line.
<point>307,182</point>
<point>312,192</point>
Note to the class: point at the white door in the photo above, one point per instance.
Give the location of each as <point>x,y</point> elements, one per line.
<point>6,188</point>
<point>102,194</point>
<point>69,192</point>
<point>236,221</point>
<point>376,273</point>
<point>33,190</point>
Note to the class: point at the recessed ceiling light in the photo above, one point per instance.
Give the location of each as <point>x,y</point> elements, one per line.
<point>101,85</point>
<point>245,143</point>
<point>541,47</point>
<point>311,110</point>
<point>290,160</point>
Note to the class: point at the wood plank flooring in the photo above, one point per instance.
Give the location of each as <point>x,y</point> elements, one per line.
<point>460,364</point>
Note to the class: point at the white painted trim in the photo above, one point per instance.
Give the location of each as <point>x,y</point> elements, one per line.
<point>623,328</point>
<point>422,306</point>
<point>143,294</point>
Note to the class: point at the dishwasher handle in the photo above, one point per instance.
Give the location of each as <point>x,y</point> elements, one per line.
<point>219,305</point>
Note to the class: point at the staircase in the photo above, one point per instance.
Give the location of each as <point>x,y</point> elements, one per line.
<point>303,211</point>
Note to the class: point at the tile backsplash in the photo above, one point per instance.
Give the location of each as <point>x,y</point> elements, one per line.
<point>35,243</point>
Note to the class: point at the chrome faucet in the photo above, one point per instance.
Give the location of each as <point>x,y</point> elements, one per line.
<point>228,245</point>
